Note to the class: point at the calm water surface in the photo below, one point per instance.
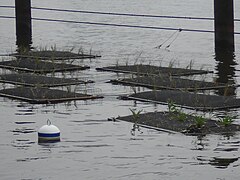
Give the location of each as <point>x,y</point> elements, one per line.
<point>93,147</point>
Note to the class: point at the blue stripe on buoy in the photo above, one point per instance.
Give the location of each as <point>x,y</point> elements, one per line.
<point>49,135</point>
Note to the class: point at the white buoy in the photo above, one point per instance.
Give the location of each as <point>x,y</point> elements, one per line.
<point>48,133</point>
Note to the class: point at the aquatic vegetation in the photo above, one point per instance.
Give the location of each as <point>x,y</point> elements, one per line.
<point>172,108</point>
<point>197,127</point>
<point>200,121</point>
<point>190,65</point>
<point>135,115</point>
<point>226,121</point>
<point>171,63</point>
<point>176,113</point>
<point>181,116</point>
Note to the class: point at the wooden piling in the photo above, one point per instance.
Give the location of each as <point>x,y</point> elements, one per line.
<point>224,24</point>
<point>224,45</point>
<point>23,24</point>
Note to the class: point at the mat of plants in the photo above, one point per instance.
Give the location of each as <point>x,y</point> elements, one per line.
<point>169,82</point>
<point>186,99</point>
<point>141,69</point>
<point>30,79</point>
<point>43,95</point>
<point>54,55</point>
<point>38,66</point>
<point>176,120</point>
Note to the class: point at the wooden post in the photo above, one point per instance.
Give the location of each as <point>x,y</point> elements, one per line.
<point>224,24</point>
<point>23,24</point>
<point>224,44</point>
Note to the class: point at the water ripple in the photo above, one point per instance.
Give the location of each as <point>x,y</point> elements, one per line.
<point>228,149</point>
<point>23,130</point>
<point>93,145</point>
<point>72,151</point>
<point>30,159</point>
<point>128,157</point>
<point>141,174</point>
<point>24,122</point>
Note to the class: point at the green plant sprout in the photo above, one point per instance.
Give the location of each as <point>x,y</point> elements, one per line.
<point>199,121</point>
<point>135,115</point>
<point>181,116</point>
<point>226,121</point>
<point>172,108</point>
<point>175,112</point>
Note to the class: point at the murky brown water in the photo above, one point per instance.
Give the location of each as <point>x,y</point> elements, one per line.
<point>93,147</point>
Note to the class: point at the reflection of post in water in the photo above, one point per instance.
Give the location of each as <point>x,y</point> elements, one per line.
<point>23,24</point>
<point>225,71</point>
<point>224,44</point>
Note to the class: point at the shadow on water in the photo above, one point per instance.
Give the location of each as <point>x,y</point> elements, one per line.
<point>219,162</point>
<point>225,70</point>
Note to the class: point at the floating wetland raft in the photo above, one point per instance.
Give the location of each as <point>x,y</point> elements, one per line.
<point>54,55</point>
<point>186,99</point>
<point>175,89</point>
<point>42,62</point>
<point>38,66</point>
<point>29,79</point>
<point>170,121</point>
<point>168,82</point>
<point>152,70</point>
<point>43,95</point>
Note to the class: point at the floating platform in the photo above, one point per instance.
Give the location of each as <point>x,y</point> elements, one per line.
<point>44,95</point>
<point>186,99</point>
<point>169,122</point>
<point>152,70</point>
<point>54,55</point>
<point>167,82</point>
<point>27,79</point>
<point>38,66</point>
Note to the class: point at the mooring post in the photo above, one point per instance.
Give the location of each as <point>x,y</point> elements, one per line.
<point>23,24</point>
<point>224,24</point>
